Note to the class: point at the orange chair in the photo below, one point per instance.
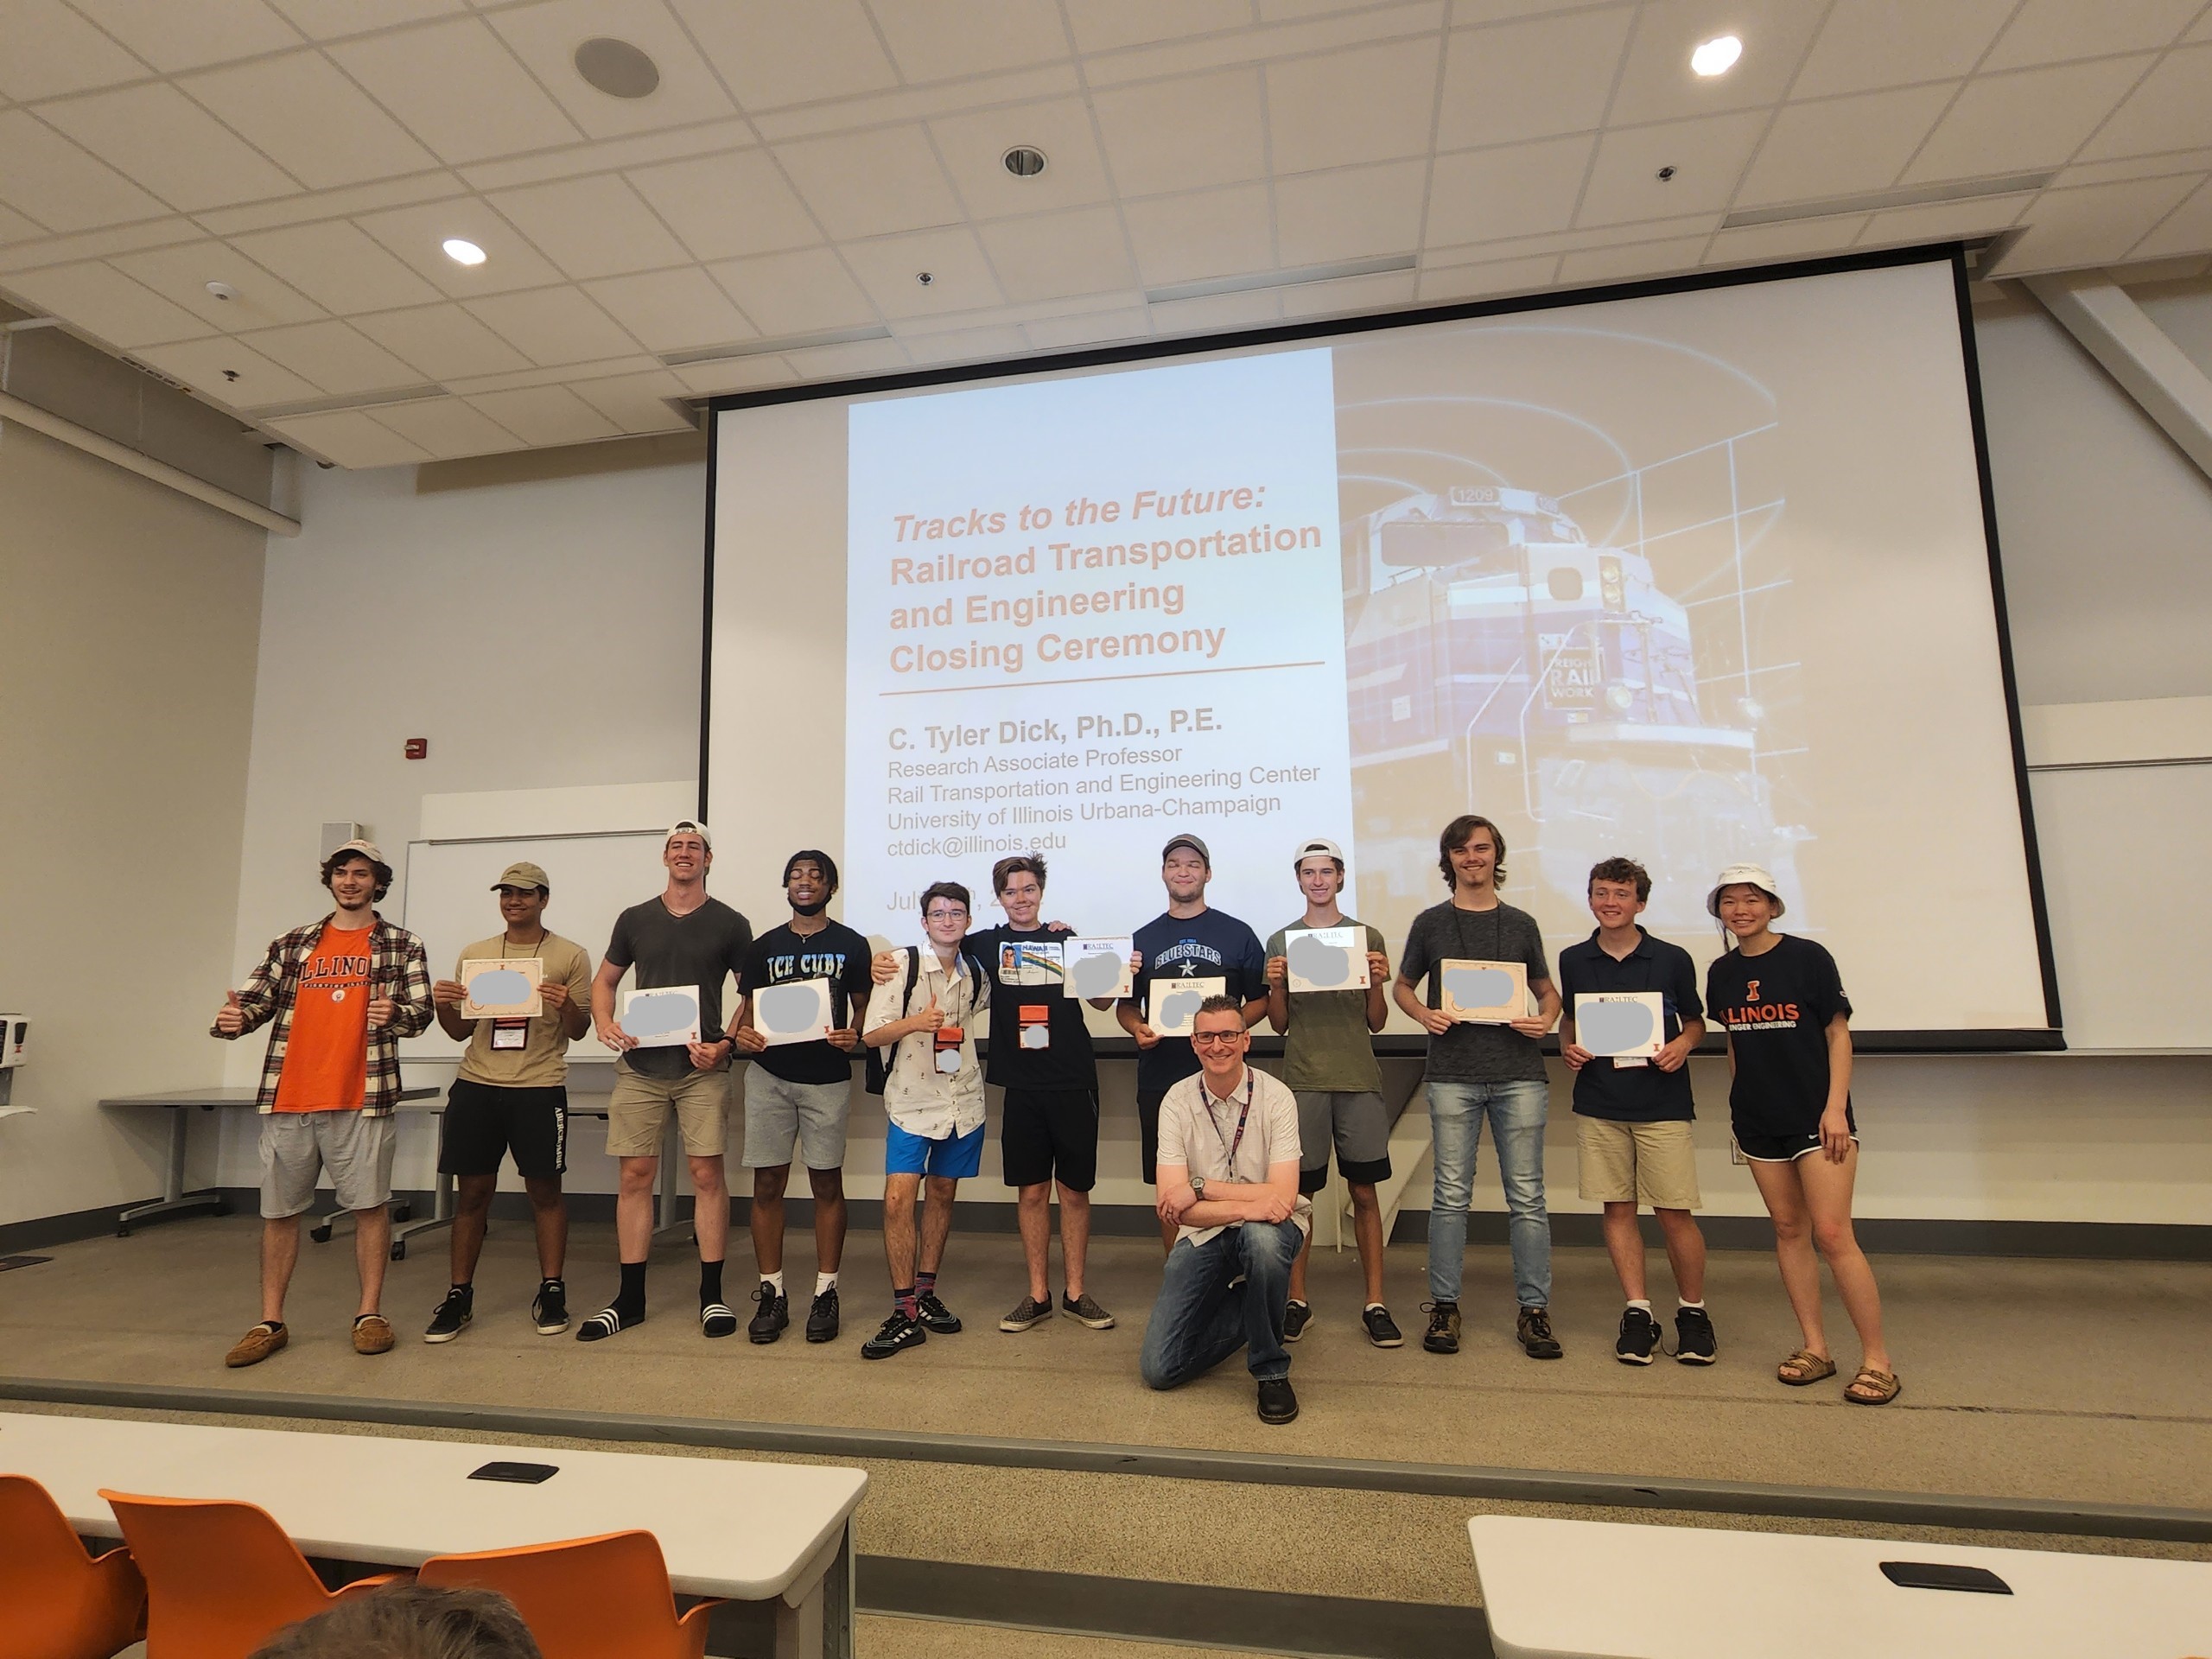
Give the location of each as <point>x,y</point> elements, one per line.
<point>222,1577</point>
<point>61,1603</point>
<point>585,1599</point>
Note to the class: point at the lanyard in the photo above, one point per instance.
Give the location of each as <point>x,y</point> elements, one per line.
<point>1227,1145</point>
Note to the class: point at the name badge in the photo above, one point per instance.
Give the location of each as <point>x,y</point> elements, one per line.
<point>948,1048</point>
<point>510,1034</point>
<point>1036,1025</point>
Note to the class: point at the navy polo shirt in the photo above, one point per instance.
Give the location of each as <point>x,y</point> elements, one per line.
<point>1636,1094</point>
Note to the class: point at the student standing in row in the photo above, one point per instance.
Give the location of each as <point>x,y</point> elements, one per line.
<point>511,1094</point>
<point>1780,1001</point>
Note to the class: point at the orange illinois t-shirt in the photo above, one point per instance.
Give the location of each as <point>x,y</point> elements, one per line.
<point>326,1057</point>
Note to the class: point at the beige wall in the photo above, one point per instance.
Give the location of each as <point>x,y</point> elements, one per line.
<point>128,617</point>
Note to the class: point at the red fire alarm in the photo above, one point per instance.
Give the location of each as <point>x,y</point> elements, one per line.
<point>418,748</point>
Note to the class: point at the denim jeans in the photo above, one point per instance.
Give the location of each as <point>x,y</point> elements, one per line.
<point>1203,1316</point>
<point>1516,1112</point>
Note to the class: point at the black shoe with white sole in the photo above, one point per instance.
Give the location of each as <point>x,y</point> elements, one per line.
<point>935,1316</point>
<point>1085,1310</point>
<point>1296,1316</point>
<point>453,1315</point>
<point>897,1334</point>
<point>1639,1338</point>
<point>549,1309</point>
<point>1694,1344</point>
<point>774,1316</point>
<point>1382,1330</point>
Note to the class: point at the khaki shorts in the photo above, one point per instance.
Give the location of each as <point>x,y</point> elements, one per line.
<point>637,1113</point>
<point>1638,1163</point>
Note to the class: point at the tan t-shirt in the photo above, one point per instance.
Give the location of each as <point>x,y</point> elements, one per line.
<point>542,1060</point>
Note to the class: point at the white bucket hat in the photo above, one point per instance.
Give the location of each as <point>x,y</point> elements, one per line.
<point>1743,875</point>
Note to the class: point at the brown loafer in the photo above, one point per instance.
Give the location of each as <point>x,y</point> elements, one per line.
<point>256,1345</point>
<point>372,1334</point>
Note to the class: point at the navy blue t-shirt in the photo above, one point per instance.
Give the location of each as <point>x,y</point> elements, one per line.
<point>1209,945</point>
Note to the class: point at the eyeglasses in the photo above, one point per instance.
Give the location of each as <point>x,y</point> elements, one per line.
<point>1216,1039</point>
<point>944,914</point>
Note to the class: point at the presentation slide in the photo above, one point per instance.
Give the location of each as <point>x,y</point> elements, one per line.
<point>1697,577</point>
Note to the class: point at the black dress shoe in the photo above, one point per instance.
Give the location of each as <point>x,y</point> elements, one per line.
<point>1278,1401</point>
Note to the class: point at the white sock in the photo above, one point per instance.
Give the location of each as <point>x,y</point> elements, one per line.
<point>825,1282</point>
<point>775,1279</point>
<point>1371,1307</point>
<point>1679,1303</point>
<point>1641,1303</point>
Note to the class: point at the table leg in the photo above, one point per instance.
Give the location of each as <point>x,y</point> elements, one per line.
<point>665,1224</point>
<point>174,1200</point>
<point>819,1624</point>
<point>440,1215</point>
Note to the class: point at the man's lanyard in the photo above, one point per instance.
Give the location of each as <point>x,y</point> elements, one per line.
<point>1227,1145</point>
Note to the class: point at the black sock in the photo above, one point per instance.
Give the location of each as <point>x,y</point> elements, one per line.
<point>630,1301</point>
<point>468,1291</point>
<point>710,1283</point>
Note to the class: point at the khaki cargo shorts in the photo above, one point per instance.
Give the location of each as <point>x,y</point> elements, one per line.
<point>1651,1164</point>
<point>637,1113</point>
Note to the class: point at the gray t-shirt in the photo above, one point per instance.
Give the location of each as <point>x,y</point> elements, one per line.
<point>1470,1053</point>
<point>701,948</point>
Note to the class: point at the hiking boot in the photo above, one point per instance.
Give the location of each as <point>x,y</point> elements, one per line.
<point>549,1309</point>
<point>774,1316</point>
<point>1085,1310</point>
<point>1694,1339</point>
<point>1278,1401</point>
<point>1296,1316</point>
<point>1639,1338</point>
<point>453,1315</point>
<point>897,1333</point>
<point>1382,1330</point>
<point>1442,1336</point>
<point>1027,1311</point>
<point>935,1315</point>
<point>258,1344</point>
<point>1533,1330</point>
<point>821,1316</point>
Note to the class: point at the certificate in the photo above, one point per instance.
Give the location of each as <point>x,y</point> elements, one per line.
<point>1325,958</point>
<point>1175,1003</point>
<point>1097,967</point>
<point>665,1018</point>
<point>1620,1026</point>
<point>497,990</point>
<point>796,1011</point>
<point>1483,993</point>
<point>1030,962</point>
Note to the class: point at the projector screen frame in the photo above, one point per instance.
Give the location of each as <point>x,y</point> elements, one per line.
<point>1403,1044</point>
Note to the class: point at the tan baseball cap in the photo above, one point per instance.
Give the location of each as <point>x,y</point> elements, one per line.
<point>366,849</point>
<point>521,874</point>
<point>1191,842</point>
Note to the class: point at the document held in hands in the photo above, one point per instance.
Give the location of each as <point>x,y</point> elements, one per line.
<point>1626,1028</point>
<point>1325,958</point>
<point>1482,992</point>
<point>664,1017</point>
<point>1097,967</point>
<point>500,989</point>
<point>1175,1003</point>
<point>796,1011</point>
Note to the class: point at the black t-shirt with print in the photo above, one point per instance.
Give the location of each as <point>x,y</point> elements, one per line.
<point>836,954</point>
<point>1776,1007</point>
<point>1066,1061</point>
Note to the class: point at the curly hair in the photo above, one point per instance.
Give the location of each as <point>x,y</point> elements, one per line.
<point>383,870</point>
<point>408,1621</point>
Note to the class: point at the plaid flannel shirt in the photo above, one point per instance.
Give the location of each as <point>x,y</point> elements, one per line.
<point>399,969</point>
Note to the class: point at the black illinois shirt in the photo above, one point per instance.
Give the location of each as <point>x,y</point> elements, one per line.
<point>1776,1007</point>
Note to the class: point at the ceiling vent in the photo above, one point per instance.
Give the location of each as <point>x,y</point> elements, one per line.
<point>617,69</point>
<point>2013,184</point>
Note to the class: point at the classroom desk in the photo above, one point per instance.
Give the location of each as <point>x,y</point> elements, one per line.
<point>1603,1590</point>
<point>749,1531</point>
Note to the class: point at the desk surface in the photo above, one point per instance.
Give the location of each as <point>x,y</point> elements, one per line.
<point>727,1527</point>
<point>244,1094</point>
<point>1602,1590</point>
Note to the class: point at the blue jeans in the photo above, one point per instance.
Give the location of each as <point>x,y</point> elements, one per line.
<point>1516,1112</point>
<point>1202,1317</point>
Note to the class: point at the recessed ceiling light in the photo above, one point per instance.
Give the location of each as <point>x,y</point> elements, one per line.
<point>463,253</point>
<point>1024,161</point>
<point>617,69</point>
<point>1718,55</point>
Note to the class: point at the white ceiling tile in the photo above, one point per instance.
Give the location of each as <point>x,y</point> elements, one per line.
<point>735,374</point>
<point>868,183</point>
<point>724,206</point>
<point>1208,233</point>
<point>591,227</point>
<point>14,227</point>
<point>961,277</point>
<point>173,36</point>
<point>2068,230</point>
<point>99,245</point>
<point>51,50</point>
<point>560,374</point>
<point>416,237</point>
<point>336,266</point>
<point>458,89</point>
<point>2201,30</point>
<point>1793,240</point>
<point>1177,135</point>
<point>672,310</point>
<point>346,201</point>
<point>1347,296</point>
<point>859,357</point>
<point>309,118</point>
<point>58,184</point>
<point>1464,12</point>
<point>331,20</point>
<point>334,357</point>
<point>545,37</point>
<point>802,293</point>
<point>1058,255</point>
<point>1490,277</point>
<point>638,403</point>
<point>1091,329</point>
<point>2188,229</point>
<point>102,301</point>
<point>545,415</point>
<point>1644,259</point>
<point>1867,44</point>
<point>442,342</point>
<point>974,146</point>
<point>446,427</point>
<point>1941,221</point>
<point>2028,118</point>
<point>2167,111</point>
<point>1271,11</point>
<point>2048,31</point>
<point>1339,29</point>
<point>773,53</point>
<point>200,363</point>
<point>164,141</point>
<point>552,326</point>
<point>992,344</point>
<point>2133,167</point>
<point>1842,146</point>
<point>1658,83</point>
<point>1708,156</point>
<point>1530,80</point>
<point>1217,312</point>
<point>1487,195</point>
<point>1374,103</point>
<point>1355,214</point>
<point>350,438</point>
<point>611,154</point>
<point>936,40</point>
<point>1103,25</point>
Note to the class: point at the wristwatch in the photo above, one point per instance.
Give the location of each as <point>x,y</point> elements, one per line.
<point>1199,1187</point>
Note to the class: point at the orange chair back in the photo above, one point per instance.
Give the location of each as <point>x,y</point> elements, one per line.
<point>221,1577</point>
<point>61,1603</point>
<point>585,1599</point>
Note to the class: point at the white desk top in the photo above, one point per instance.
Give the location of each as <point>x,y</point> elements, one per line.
<point>1599,1590</point>
<point>727,1527</point>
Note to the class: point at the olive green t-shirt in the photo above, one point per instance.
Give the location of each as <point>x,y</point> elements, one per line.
<point>542,1060</point>
<point>1328,1046</point>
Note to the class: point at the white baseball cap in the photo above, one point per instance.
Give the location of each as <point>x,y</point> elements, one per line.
<point>1743,875</point>
<point>688,827</point>
<point>1319,847</point>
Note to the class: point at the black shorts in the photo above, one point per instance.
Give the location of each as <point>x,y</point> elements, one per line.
<point>1149,1134</point>
<point>1050,1132</point>
<point>483,1123</point>
<point>1765,1147</point>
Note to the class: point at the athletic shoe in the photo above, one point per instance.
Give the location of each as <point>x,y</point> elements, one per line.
<point>1382,1330</point>
<point>1694,1339</point>
<point>1533,1330</point>
<point>1296,1316</point>
<point>774,1316</point>
<point>1638,1339</point>
<point>821,1316</point>
<point>935,1315</point>
<point>1084,1310</point>
<point>372,1334</point>
<point>550,1308</point>
<point>897,1332</point>
<point>258,1344</point>
<point>717,1319</point>
<point>453,1315</point>
<point>605,1324</point>
<point>1278,1401</point>
<point>1443,1334</point>
<point>1027,1311</point>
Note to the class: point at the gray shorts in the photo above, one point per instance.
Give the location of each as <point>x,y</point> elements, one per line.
<point>1357,1125</point>
<point>777,1113</point>
<point>297,1148</point>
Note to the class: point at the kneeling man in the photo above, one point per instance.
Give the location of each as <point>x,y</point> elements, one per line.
<point>1228,1185</point>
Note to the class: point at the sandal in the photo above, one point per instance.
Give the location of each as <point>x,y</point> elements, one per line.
<point>1879,1387</point>
<point>1803,1367</point>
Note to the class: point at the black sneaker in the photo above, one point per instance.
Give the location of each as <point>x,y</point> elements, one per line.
<point>1533,1331</point>
<point>774,1316</point>
<point>899,1333</point>
<point>821,1316</point>
<point>1694,1339</point>
<point>935,1315</point>
<point>1296,1316</point>
<point>1639,1338</point>
<point>1278,1401</point>
<point>453,1315</point>
<point>1443,1334</point>
<point>549,1309</point>
<point>1382,1330</point>
<point>1085,1310</point>
<point>1027,1311</point>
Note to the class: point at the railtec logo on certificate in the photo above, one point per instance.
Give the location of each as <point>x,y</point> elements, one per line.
<point>1084,614</point>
